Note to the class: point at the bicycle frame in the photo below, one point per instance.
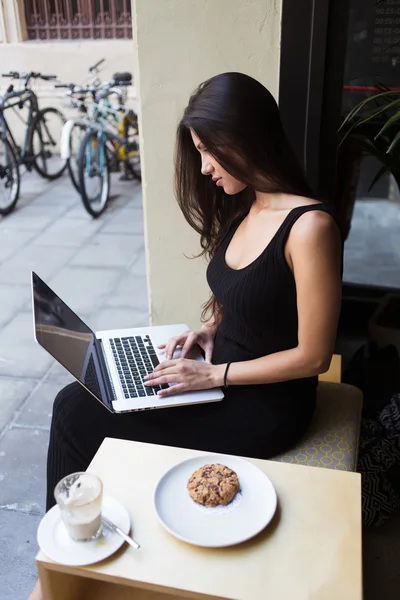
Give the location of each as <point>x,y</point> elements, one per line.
<point>102,125</point>
<point>107,134</point>
<point>24,97</point>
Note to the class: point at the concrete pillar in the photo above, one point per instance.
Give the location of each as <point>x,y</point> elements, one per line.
<point>180,43</point>
<point>12,21</point>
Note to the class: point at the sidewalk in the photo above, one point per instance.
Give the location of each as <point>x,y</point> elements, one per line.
<point>98,268</point>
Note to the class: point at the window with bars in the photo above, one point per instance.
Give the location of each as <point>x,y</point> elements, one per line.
<point>78,19</point>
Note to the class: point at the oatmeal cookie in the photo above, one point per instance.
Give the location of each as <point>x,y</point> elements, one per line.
<point>213,485</point>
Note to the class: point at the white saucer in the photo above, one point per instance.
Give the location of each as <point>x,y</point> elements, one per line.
<point>55,542</point>
<point>247,515</point>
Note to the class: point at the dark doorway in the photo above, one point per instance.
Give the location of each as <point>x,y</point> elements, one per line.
<point>333,52</point>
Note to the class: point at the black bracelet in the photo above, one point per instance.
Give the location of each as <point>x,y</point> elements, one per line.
<point>226,373</point>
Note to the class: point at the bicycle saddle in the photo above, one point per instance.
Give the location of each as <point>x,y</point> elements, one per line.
<point>124,76</point>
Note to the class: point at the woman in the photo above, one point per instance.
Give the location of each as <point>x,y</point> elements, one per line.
<point>275,274</point>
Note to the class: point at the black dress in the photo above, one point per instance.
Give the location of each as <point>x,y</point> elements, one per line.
<point>259,318</point>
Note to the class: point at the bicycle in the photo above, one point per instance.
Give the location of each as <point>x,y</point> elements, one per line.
<point>40,149</point>
<point>81,97</point>
<point>85,100</point>
<point>105,149</point>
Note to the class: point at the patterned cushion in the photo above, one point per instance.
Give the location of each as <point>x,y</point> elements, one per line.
<point>331,441</point>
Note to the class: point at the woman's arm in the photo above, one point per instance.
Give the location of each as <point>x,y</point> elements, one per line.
<point>314,252</point>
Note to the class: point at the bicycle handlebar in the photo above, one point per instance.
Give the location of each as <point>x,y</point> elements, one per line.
<point>96,65</point>
<point>102,91</point>
<point>74,89</point>
<point>28,76</point>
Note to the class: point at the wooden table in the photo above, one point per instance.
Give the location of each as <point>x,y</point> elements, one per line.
<point>310,551</point>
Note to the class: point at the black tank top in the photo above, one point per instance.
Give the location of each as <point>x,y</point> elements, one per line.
<point>259,301</point>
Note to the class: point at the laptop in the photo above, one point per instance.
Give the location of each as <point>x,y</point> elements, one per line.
<point>111,364</point>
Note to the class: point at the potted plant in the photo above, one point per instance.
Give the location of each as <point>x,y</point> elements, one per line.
<point>374,125</point>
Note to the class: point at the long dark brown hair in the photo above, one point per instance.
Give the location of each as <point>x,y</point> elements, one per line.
<point>238,121</point>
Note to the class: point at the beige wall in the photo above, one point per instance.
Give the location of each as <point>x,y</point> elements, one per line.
<point>180,43</point>
<point>68,60</point>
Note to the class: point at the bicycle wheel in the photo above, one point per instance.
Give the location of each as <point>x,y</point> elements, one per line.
<point>9,178</point>
<point>44,143</point>
<point>94,173</point>
<point>75,140</point>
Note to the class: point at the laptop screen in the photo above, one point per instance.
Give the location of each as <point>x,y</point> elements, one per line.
<point>66,337</point>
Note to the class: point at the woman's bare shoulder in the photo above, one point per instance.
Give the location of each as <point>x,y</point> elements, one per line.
<point>316,230</point>
<point>312,222</point>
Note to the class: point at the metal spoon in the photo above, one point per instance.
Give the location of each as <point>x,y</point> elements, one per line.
<point>126,537</point>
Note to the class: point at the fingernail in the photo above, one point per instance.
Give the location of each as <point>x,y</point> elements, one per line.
<point>147,383</point>
<point>145,378</point>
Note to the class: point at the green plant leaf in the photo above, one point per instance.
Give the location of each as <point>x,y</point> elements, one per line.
<point>384,169</point>
<point>388,123</point>
<point>370,116</point>
<point>363,103</point>
<point>370,148</point>
<point>393,144</point>
<point>380,110</point>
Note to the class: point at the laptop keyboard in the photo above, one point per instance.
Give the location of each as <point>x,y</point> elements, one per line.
<point>135,357</point>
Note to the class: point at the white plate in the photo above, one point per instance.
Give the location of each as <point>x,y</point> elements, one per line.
<point>55,542</point>
<point>248,514</point>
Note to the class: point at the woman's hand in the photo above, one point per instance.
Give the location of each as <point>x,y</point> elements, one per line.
<point>203,337</point>
<point>188,375</point>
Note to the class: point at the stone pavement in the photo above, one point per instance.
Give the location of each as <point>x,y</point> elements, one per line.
<point>98,268</point>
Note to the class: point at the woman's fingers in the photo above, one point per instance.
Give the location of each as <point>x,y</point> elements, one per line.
<point>184,374</point>
<point>175,343</point>
<point>171,346</point>
<point>207,346</point>
<point>191,340</point>
<point>163,346</point>
<point>186,341</point>
<point>160,379</point>
<point>165,364</point>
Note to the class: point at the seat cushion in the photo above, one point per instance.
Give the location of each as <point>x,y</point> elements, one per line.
<point>331,441</point>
